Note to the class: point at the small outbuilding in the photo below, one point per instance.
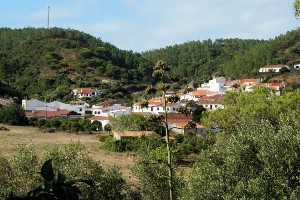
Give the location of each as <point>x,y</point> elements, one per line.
<point>119,135</point>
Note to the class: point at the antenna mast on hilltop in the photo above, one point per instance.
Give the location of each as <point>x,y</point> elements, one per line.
<point>48,15</point>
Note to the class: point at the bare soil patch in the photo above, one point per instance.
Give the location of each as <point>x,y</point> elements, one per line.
<point>42,142</point>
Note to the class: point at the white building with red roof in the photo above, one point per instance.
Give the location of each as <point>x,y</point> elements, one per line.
<point>214,86</point>
<point>275,86</point>
<point>104,121</point>
<point>272,68</point>
<point>111,107</point>
<point>86,92</point>
<point>212,102</point>
<point>155,106</point>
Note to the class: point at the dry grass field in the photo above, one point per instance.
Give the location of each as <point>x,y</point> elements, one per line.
<point>42,142</point>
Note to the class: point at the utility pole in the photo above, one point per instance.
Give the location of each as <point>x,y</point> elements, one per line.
<point>48,16</point>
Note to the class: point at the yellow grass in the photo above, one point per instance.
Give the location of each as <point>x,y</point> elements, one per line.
<point>42,142</point>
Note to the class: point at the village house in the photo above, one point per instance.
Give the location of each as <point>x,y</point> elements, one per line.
<point>212,102</point>
<point>80,106</point>
<point>119,135</point>
<point>112,107</point>
<point>272,68</point>
<point>155,106</point>
<point>177,123</point>
<point>104,121</point>
<point>275,86</point>
<point>37,108</point>
<point>297,66</point>
<point>46,113</point>
<point>214,86</point>
<point>86,92</point>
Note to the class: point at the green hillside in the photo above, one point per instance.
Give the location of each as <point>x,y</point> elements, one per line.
<point>47,63</point>
<point>234,58</point>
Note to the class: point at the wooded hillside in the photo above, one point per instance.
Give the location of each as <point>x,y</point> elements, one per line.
<point>47,63</point>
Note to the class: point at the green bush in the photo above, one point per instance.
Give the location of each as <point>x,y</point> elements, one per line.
<point>20,174</point>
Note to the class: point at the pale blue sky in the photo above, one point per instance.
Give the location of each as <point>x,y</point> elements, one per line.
<point>141,25</point>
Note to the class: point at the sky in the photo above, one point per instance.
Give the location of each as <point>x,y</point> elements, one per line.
<point>141,25</point>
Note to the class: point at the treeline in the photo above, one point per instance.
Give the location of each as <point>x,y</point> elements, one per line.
<point>235,58</point>
<point>41,62</point>
<point>46,63</point>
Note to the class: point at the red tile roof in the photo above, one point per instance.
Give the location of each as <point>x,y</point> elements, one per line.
<point>84,90</point>
<point>98,118</point>
<point>215,99</point>
<point>201,93</point>
<point>44,113</point>
<point>179,116</point>
<point>251,81</point>
<point>108,102</point>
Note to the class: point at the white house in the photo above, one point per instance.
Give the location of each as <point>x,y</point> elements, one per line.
<point>212,102</point>
<point>104,110</point>
<point>120,111</point>
<point>111,107</point>
<point>273,68</point>
<point>214,86</point>
<point>86,92</point>
<point>297,66</point>
<point>104,121</point>
<point>155,106</point>
<point>80,106</point>
<point>35,104</point>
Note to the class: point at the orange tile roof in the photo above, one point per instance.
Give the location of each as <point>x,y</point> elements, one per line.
<point>108,102</point>
<point>244,81</point>
<point>179,116</point>
<point>201,92</point>
<point>215,99</point>
<point>98,118</point>
<point>84,90</point>
<point>134,133</point>
<point>44,113</point>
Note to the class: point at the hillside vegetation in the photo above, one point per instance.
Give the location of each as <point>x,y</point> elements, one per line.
<point>232,58</point>
<point>47,63</point>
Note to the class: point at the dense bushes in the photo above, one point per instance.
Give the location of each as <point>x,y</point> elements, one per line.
<point>72,125</point>
<point>12,114</point>
<point>258,162</point>
<point>133,144</point>
<point>21,173</point>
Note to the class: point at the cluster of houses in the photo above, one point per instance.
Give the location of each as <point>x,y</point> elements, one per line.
<point>277,68</point>
<point>210,95</point>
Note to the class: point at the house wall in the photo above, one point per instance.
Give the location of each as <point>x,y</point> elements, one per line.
<point>103,122</point>
<point>32,104</point>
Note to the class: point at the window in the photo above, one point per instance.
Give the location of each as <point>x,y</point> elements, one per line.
<point>80,109</point>
<point>157,108</point>
<point>173,109</point>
